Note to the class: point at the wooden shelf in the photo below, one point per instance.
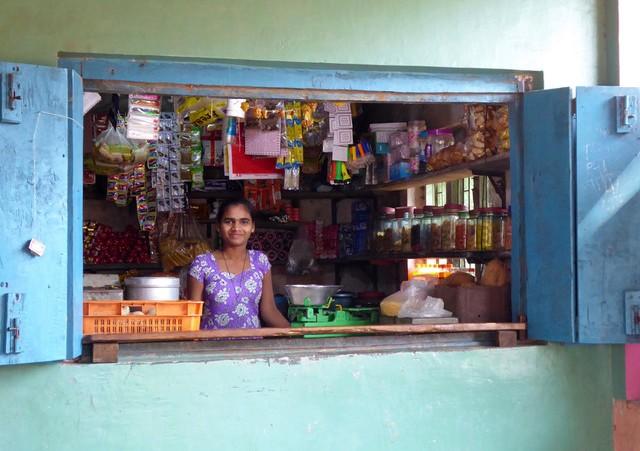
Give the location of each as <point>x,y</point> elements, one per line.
<point>291,195</point>
<point>495,165</point>
<point>118,267</point>
<point>262,224</point>
<point>219,194</point>
<point>338,194</point>
<point>474,256</point>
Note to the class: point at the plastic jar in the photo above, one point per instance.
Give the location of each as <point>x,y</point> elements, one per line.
<point>378,234</point>
<point>436,229</point>
<point>472,227</point>
<point>396,244</point>
<point>449,219</point>
<point>486,228</point>
<point>416,231</point>
<point>389,224</point>
<point>405,229</point>
<point>507,231</point>
<point>413,132</point>
<point>425,233</point>
<point>497,230</point>
<point>438,139</point>
<point>461,230</point>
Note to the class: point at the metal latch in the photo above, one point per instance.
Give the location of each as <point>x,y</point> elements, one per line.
<point>14,309</point>
<point>11,97</point>
<point>626,113</point>
<point>632,312</point>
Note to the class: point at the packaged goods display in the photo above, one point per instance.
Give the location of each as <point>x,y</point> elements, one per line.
<point>333,185</point>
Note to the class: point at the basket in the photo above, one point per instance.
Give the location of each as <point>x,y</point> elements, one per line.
<point>106,317</point>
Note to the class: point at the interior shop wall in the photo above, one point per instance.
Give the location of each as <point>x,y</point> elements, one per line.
<point>534,398</point>
<point>569,40</point>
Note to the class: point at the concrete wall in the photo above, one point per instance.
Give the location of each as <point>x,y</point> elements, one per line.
<point>568,39</point>
<point>534,398</point>
<point>537,398</point>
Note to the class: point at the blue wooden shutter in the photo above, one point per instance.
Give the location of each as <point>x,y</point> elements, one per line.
<point>608,212</point>
<point>41,199</point>
<point>549,245</point>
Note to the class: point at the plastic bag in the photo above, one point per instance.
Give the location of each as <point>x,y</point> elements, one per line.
<point>113,153</point>
<point>410,290</point>
<point>430,307</point>
<point>181,242</point>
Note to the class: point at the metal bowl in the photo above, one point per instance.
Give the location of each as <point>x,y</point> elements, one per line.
<point>317,294</point>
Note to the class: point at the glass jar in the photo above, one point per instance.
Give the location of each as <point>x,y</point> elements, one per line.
<point>405,231</point>
<point>449,219</point>
<point>425,233</point>
<point>507,231</point>
<point>472,227</point>
<point>389,223</point>
<point>436,230</point>
<point>437,140</point>
<point>396,245</point>
<point>413,131</point>
<point>378,234</point>
<point>497,230</point>
<point>416,231</point>
<point>462,230</point>
<point>486,228</point>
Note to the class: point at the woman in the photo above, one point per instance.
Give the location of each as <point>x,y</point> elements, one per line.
<point>235,283</point>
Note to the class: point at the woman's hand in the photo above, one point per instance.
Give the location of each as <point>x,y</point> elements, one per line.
<point>269,313</point>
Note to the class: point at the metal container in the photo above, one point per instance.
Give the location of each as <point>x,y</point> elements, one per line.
<point>152,288</point>
<point>317,294</point>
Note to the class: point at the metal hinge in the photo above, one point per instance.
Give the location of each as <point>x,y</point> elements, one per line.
<point>14,309</point>
<point>524,83</point>
<point>626,113</point>
<point>632,312</point>
<point>11,97</point>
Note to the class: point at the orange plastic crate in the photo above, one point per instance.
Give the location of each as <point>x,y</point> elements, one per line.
<point>105,317</point>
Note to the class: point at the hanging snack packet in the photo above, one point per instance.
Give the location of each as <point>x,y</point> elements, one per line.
<point>143,121</point>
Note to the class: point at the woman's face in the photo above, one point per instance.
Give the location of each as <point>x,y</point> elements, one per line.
<point>236,226</point>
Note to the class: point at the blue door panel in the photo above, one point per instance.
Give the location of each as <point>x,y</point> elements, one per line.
<point>608,214</point>
<point>548,215</point>
<point>34,204</point>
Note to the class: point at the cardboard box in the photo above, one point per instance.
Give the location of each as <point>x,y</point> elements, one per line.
<point>477,304</point>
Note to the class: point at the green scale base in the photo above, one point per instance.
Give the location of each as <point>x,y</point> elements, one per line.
<point>324,316</point>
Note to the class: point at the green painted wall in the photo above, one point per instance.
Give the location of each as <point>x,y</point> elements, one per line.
<point>567,39</point>
<point>535,398</point>
<point>538,398</point>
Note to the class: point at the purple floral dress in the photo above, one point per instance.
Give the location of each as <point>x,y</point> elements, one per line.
<point>230,301</point>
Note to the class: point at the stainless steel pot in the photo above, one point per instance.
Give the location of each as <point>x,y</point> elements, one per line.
<point>152,288</point>
<point>317,294</point>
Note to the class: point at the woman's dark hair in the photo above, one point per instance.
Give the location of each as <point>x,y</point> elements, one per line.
<point>233,203</point>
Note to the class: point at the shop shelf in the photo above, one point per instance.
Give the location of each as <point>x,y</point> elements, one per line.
<point>262,224</point>
<point>337,194</point>
<point>117,267</point>
<point>219,194</point>
<point>472,256</point>
<point>495,165</point>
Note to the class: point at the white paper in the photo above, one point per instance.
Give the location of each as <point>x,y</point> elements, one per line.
<point>343,137</point>
<point>343,120</point>
<point>327,145</point>
<point>339,153</point>
<point>343,107</point>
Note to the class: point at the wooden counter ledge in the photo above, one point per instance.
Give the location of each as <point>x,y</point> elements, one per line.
<point>103,348</point>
